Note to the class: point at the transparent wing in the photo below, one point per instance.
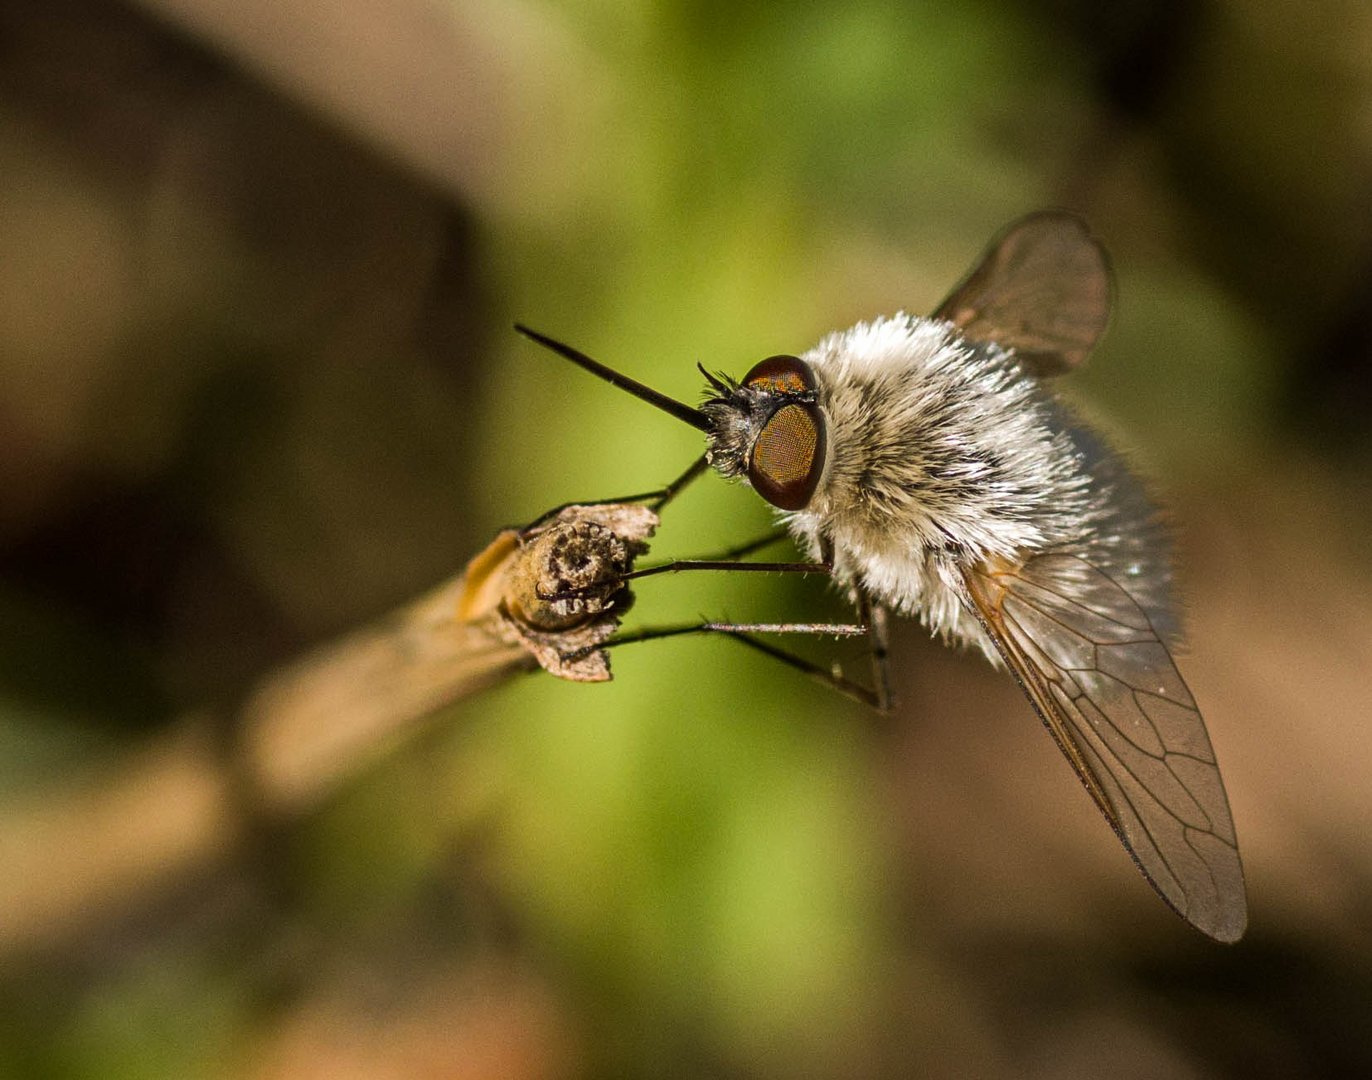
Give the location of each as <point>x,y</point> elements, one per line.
<point>1104,684</point>
<point>1042,288</point>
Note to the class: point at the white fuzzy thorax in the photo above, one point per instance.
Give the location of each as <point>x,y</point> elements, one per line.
<point>941,454</point>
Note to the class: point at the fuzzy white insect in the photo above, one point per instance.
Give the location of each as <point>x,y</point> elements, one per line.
<point>927,465</point>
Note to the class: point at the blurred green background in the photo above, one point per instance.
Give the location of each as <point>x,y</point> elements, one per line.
<point>258,386</point>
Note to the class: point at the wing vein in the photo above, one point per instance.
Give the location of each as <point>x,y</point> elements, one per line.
<point>1098,674</point>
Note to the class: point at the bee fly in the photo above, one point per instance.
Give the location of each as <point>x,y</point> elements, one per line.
<point>927,466</point>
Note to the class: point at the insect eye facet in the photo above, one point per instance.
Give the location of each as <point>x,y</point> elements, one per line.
<point>788,456</point>
<point>782,375</point>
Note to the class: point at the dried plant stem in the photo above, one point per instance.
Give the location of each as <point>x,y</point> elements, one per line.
<point>316,721</point>
<point>177,804</point>
<point>77,853</point>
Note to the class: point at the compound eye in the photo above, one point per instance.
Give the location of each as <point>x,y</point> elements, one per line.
<point>781,375</point>
<point>788,455</point>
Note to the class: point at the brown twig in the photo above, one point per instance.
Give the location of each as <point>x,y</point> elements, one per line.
<point>533,597</point>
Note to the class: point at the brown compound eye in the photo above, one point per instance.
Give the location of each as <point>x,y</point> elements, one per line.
<point>788,456</point>
<point>781,374</point>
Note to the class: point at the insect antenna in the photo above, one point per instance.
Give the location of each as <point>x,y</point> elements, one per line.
<point>680,410</point>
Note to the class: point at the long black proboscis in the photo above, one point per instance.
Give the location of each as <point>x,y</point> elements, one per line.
<point>681,411</point>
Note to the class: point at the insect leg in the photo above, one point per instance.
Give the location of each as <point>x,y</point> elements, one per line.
<point>672,490</point>
<point>730,560</point>
<point>652,633</point>
<point>874,617</point>
<point>775,536</point>
<point>742,632</point>
<point>831,677</point>
<point>724,560</point>
<point>656,499</point>
<point>728,564</point>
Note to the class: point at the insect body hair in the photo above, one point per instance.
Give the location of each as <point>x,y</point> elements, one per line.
<point>941,444</point>
<point>944,454</point>
<point>1127,536</point>
<point>736,415</point>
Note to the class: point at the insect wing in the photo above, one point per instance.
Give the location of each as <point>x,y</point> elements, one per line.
<point>1042,289</point>
<point>1107,689</point>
